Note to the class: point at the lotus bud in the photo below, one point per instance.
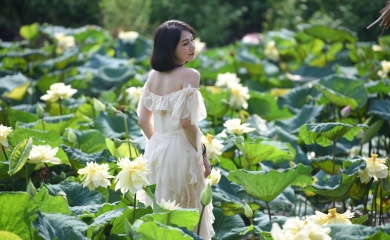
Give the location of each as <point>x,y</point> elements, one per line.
<point>346,111</point>
<point>117,142</point>
<point>71,136</point>
<point>39,110</point>
<point>206,195</point>
<point>98,105</point>
<point>111,111</point>
<point>239,139</point>
<point>31,189</point>
<point>62,175</point>
<point>248,211</point>
<point>88,76</point>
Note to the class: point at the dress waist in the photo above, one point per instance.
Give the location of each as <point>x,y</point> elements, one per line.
<point>167,134</point>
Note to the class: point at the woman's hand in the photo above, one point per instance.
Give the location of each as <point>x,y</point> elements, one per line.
<point>207,167</point>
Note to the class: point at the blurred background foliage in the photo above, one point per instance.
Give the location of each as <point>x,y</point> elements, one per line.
<point>217,22</point>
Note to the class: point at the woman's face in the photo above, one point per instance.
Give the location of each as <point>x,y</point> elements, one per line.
<point>185,49</point>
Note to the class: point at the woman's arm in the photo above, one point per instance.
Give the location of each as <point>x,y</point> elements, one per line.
<point>145,121</point>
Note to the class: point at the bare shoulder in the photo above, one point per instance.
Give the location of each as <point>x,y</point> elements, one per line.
<point>190,76</point>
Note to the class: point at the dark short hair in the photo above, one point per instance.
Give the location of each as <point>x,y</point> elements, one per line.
<point>166,38</point>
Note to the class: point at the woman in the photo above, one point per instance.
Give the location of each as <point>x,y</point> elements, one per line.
<point>169,109</point>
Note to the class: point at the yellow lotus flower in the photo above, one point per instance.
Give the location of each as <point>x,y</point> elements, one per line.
<point>375,168</point>
<point>296,229</point>
<point>95,175</point>
<point>215,176</point>
<point>213,146</point>
<point>384,72</point>
<point>58,91</point>
<point>226,79</point>
<point>234,126</point>
<point>332,217</point>
<point>239,95</point>
<point>133,95</point>
<point>168,205</point>
<point>43,154</point>
<point>64,42</point>
<point>132,177</point>
<point>4,131</point>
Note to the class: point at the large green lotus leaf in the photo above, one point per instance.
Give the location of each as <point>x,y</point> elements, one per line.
<point>90,141</point>
<point>118,224</point>
<point>19,156</point>
<point>328,57</point>
<point>75,193</point>
<point>336,188</point>
<point>114,127</point>
<point>10,82</point>
<point>30,55</point>
<point>229,228</point>
<point>39,137</point>
<point>60,226</point>
<point>330,35</point>
<point>79,159</point>
<point>215,101</point>
<point>51,204</point>
<point>358,231</point>
<point>86,110</point>
<point>326,163</point>
<point>298,97</point>
<point>325,133</point>
<point>343,91</point>
<point>187,218</point>
<point>379,107</point>
<point>266,186</point>
<point>229,206</point>
<point>308,113</point>
<point>111,77</point>
<point>17,211</point>
<point>273,151</point>
<point>265,105</point>
<point>60,63</point>
<point>158,231</point>
<point>381,87</point>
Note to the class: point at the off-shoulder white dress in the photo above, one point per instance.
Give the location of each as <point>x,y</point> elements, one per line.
<point>176,167</point>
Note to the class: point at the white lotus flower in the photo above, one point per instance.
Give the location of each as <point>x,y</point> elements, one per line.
<point>199,46</point>
<point>213,146</point>
<point>58,91</point>
<point>384,72</point>
<point>133,95</point>
<point>4,131</point>
<point>64,42</point>
<point>226,79</point>
<point>128,37</point>
<point>376,48</point>
<point>95,175</point>
<point>42,154</point>
<point>375,168</point>
<point>132,177</point>
<point>296,229</point>
<point>234,126</point>
<point>168,205</point>
<point>215,176</point>
<point>239,95</point>
<point>332,217</point>
<point>271,52</point>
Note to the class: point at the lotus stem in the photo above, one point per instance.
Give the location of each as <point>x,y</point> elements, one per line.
<point>127,132</point>
<point>253,230</point>
<point>5,154</point>
<point>381,220</point>
<point>43,125</point>
<point>373,205</point>
<point>219,225</point>
<point>366,196</point>
<point>59,102</point>
<point>134,206</point>
<point>51,179</point>
<point>269,211</point>
<point>200,219</point>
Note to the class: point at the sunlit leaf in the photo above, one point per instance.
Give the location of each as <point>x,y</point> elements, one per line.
<point>29,32</point>
<point>19,156</point>
<point>51,204</point>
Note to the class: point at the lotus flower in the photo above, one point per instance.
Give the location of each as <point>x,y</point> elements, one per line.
<point>332,217</point>
<point>226,79</point>
<point>128,37</point>
<point>4,131</point>
<point>215,176</point>
<point>234,126</point>
<point>375,168</point>
<point>95,175</point>
<point>238,96</point>
<point>168,205</point>
<point>133,94</point>
<point>132,177</point>
<point>64,42</point>
<point>296,229</point>
<point>43,154</point>
<point>58,91</point>
<point>271,52</point>
<point>213,146</point>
